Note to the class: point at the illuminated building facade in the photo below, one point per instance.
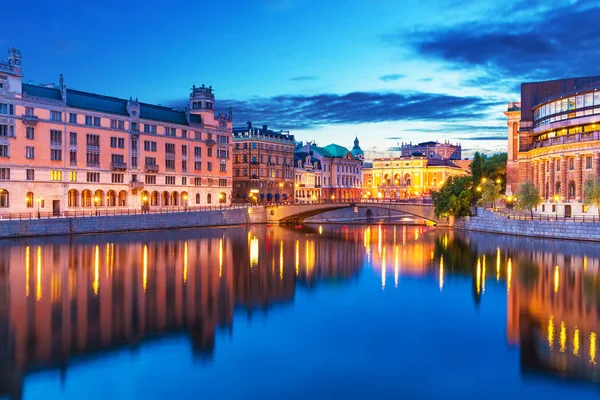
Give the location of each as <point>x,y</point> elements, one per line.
<point>67,150</point>
<point>405,177</point>
<point>263,165</point>
<point>342,176</point>
<point>554,141</point>
<point>308,177</point>
<point>437,150</point>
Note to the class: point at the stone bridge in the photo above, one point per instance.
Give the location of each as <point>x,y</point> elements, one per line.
<point>299,212</point>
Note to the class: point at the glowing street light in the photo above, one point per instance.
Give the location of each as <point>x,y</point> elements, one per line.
<point>96,201</point>
<point>185,201</point>
<point>39,201</point>
<point>483,180</point>
<point>498,181</point>
<point>556,200</point>
<point>479,188</point>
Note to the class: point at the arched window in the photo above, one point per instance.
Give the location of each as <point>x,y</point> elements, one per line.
<point>99,198</point>
<point>557,191</point>
<point>197,198</point>
<point>145,198</point>
<point>122,198</point>
<point>154,198</point>
<point>4,198</point>
<point>29,200</point>
<point>209,198</point>
<point>165,198</point>
<point>571,189</point>
<point>86,198</point>
<point>73,198</point>
<point>111,198</point>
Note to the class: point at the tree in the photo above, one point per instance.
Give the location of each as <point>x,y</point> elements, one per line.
<point>528,197</point>
<point>490,192</point>
<point>591,192</point>
<point>477,168</point>
<point>454,198</point>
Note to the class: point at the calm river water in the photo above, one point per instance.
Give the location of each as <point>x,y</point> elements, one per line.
<point>368,312</point>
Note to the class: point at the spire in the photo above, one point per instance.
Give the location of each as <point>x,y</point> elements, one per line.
<point>230,114</point>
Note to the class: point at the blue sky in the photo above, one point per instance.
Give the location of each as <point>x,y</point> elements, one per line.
<point>386,71</point>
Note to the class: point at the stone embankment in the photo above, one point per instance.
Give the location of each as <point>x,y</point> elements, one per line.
<point>124,223</point>
<point>488,221</point>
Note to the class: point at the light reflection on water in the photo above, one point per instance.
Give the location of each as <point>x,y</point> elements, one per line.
<point>65,300</point>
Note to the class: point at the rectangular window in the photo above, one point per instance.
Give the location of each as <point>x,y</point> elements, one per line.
<point>223,167</point>
<point>209,166</point>
<point>93,177</point>
<point>55,137</point>
<point>149,146</point>
<point>169,180</point>
<point>55,116</point>
<point>4,150</point>
<point>73,138</point>
<point>73,176</point>
<point>150,179</point>
<point>209,152</point>
<point>150,161</point>
<point>184,165</point>
<point>89,120</point>
<point>197,165</point>
<point>209,182</point>
<point>198,135</point>
<point>7,109</point>
<point>571,163</point>
<point>113,142</point>
<point>198,152</point>
<point>184,180</point>
<point>55,175</point>
<point>92,150</point>
<point>72,118</point>
<point>584,209</point>
<point>223,182</point>
<point>170,148</point>
<point>97,121</point>
<point>113,124</point>
<point>170,131</point>
<point>169,164</point>
<point>197,181</point>
<point>30,133</point>
<point>121,125</point>
<point>184,133</point>
<point>73,158</point>
<point>29,152</point>
<point>4,174</point>
<point>118,178</point>
<point>121,143</point>
<point>30,174</point>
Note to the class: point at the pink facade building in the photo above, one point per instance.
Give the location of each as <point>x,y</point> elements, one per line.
<point>64,150</point>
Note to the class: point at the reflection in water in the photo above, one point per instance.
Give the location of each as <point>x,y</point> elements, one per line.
<point>136,287</point>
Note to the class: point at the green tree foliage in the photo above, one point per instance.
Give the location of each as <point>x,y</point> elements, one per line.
<point>477,168</point>
<point>454,198</point>
<point>528,197</point>
<point>491,192</point>
<point>591,192</point>
<point>492,168</point>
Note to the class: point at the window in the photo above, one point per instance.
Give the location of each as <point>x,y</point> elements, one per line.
<point>198,135</point>
<point>4,174</point>
<point>117,158</point>
<point>223,167</point>
<point>113,124</point>
<point>170,148</point>
<point>121,125</point>
<point>113,142</point>
<point>93,177</point>
<point>150,160</point>
<point>149,146</point>
<point>29,152</point>
<point>55,116</point>
<point>588,162</point>
<point>197,165</point>
<point>73,138</point>
<point>169,180</point>
<point>198,152</point>
<point>88,120</point>
<point>93,150</point>
<point>209,152</point>
<point>55,175</point>
<point>73,157</point>
<point>4,150</point>
<point>223,182</point>
<point>7,109</point>
<point>197,181</point>
<point>149,128</point>
<point>97,121</point>
<point>571,163</point>
<point>209,166</point>
<point>209,182</point>
<point>118,178</point>
<point>197,198</point>
<point>73,118</point>
<point>30,174</point>
<point>30,133</point>
<point>209,105</point>
<point>184,180</point>
<point>170,131</point>
<point>55,155</point>
<point>184,133</point>
<point>558,165</point>
<point>170,163</point>
<point>55,137</point>
<point>150,179</point>
<point>209,198</point>
<point>73,176</point>
<point>184,165</point>
<point>584,209</point>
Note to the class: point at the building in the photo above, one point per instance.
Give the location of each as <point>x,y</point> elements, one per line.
<point>342,177</point>
<point>64,150</point>
<point>554,141</point>
<point>435,150</point>
<point>308,173</point>
<point>263,166</point>
<point>405,177</point>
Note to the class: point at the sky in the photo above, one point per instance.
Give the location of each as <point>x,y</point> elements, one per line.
<point>385,71</point>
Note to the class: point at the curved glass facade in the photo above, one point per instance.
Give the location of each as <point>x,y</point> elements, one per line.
<point>566,108</point>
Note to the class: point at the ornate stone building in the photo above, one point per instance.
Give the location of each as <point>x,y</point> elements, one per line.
<point>554,141</point>
<point>263,166</point>
<point>445,151</point>
<point>63,150</point>
<point>308,176</point>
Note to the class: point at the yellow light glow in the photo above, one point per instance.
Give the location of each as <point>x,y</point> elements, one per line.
<point>483,180</point>
<point>498,264</point>
<point>556,279</point>
<point>379,238</point>
<point>320,229</point>
<point>396,266</point>
<point>38,283</point>
<point>145,268</point>
<point>220,257</point>
<point>332,197</point>
<point>185,261</point>
<point>297,255</point>
<point>281,260</point>
<point>508,274</point>
<point>254,191</point>
<point>253,252</point>
<point>576,342</point>
<point>441,272</point>
<point>383,270</point>
<point>563,337</point>
<point>483,274</point>
<point>478,188</point>
<point>593,348</point>
<point>96,284</point>
<point>27,266</point>
<point>498,181</point>
<point>551,332</point>
<point>478,278</point>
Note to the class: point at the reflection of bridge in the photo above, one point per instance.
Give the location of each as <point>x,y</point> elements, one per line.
<point>299,212</point>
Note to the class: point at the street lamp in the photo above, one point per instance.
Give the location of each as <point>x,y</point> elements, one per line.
<point>39,201</point>
<point>96,201</point>
<point>498,181</point>
<point>479,188</point>
<point>185,202</point>
<point>483,180</point>
<point>556,200</point>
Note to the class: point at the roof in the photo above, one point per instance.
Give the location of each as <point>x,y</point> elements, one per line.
<point>436,162</point>
<point>111,105</point>
<point>336,151</point>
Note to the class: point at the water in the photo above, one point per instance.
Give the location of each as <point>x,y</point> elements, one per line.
<point>323,312</point>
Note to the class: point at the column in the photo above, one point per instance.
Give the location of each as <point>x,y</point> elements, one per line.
<point>542,178</point>
<point>597,165</point>
<point>536,173</point>
<point>563,178</point>
<point>578,177</point>
<point>552,181</point>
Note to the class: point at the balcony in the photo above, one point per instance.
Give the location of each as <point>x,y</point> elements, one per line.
<point>30,119</point>
<point>118,166</point>
<point>136,185</point>
<point>574,138</point>
<point>151,168</point>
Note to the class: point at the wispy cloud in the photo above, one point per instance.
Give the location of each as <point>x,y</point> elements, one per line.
<point>304,78</point>
<point>391,77</point>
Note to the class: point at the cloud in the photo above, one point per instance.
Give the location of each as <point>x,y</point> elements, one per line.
<point>308,112</point>
<point>554,42</point>
<point>391,77</point>
<point>304,78</point>
<point>484,138</point>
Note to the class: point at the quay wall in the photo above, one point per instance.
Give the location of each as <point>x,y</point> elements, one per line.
<point>488,221</point>
<point>124,223</point>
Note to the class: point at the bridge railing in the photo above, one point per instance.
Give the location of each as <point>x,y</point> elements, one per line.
<point>416,201</point>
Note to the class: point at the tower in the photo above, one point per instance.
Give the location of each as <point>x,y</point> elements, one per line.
<point>202,102</point>
<point>11,73</point>
<point>357,152</point>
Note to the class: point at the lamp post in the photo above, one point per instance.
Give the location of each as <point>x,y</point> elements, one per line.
<point>39,201</point>
<point>185,201</point>
<point>556,200</point>
<point>145,204</point>
<point>96,200</point>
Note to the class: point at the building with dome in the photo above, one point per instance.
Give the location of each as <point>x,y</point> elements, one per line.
<point>357,152</point>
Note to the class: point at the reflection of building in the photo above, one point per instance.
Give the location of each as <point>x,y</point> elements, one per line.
<point>554,142</point>
<point>407,176</point>
<point>342,178</point>
<point>62,149</point>
<point>263,167</point>
<point>443,151</point>
<point>308,173</point>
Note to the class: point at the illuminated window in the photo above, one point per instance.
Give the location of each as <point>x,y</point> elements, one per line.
<point>55,175</point>
<point>73,176</point>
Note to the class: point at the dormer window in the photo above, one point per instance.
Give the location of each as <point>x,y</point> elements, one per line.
<point>209,105</point>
